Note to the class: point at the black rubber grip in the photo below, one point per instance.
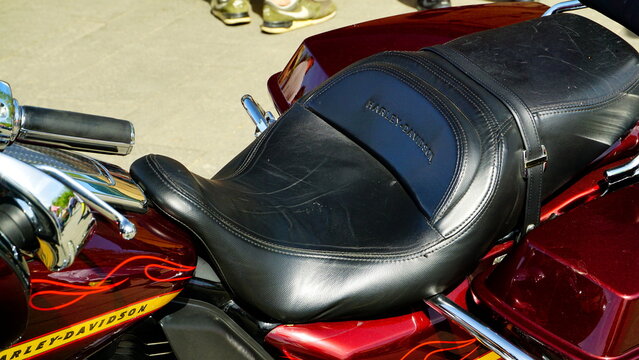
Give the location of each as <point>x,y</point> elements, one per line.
<point>625,12</point>
<point>67,124</point>
<point>16,227</point>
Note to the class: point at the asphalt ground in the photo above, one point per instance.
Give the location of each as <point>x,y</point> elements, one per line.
<point>168,66</point>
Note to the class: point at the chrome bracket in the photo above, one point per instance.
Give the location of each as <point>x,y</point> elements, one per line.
<point>622,173</point>
<point>262,119</point>
<point>539,161</point>
<point>483,333</point>
<point>126,227</point>
<point>563,7</point>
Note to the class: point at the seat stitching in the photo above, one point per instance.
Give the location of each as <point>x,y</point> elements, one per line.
<point>155,167</point>
<point>493,124</point>
<point>436,102</point>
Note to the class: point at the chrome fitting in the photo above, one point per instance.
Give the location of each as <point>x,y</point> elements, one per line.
<point>10,116</point>
<point>262,119</point>
<point>563,7</point>
<point>483,333</point>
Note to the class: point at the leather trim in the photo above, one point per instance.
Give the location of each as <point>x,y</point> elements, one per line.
<point>525,122</point>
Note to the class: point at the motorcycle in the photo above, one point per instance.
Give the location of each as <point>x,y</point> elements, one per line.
<point>472,200</point>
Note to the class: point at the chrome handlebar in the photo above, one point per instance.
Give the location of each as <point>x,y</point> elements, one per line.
<point>62,129</point>
<point>57,205</point>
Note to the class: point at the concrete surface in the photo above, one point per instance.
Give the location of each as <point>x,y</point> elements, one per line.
<point>168,66</point>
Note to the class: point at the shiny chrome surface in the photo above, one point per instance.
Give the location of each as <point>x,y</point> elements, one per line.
<point>75,143</point>
<point>126,227</point>
<point>260,118</point>
<point>483,333</point>
<point>623,172</point>
<point>64,220</point>
<point>9,122</point>
<point>564,6</point>
<point>108,182</point>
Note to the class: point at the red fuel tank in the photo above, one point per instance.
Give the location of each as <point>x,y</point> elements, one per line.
<point>112,283</point>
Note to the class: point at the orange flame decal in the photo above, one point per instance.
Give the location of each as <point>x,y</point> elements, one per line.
<point>79,292</point>
<point>455,345</point>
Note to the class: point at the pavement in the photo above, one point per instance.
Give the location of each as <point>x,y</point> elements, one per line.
<point>168,66</point>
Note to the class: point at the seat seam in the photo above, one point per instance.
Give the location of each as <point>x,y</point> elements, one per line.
<point>381,66</point>
<point>466,93</point>
<point>387,258</point>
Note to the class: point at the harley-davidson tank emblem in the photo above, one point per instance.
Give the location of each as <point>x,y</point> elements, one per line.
<point>395,120</point>
<point>51,341</point>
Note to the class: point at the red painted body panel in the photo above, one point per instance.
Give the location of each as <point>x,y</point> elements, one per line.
<point>109,273</point>
<point>416,335</point>
<point>413,336</point>
<point>13,302</point>
<point>585,262</point>
<point>321,56</point>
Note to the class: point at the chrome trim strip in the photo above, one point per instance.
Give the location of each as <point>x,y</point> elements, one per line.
<point>563,7</point>
<point>483,333</point>
<point>126,227</point>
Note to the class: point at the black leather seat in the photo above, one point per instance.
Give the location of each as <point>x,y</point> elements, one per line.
<point>387,184</point>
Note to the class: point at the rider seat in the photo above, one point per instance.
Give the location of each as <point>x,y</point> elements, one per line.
<point>388,183</point>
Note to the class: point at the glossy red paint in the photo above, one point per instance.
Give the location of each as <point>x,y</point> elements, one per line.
<point>572,284</point>
<point>13,301</point>
<point>79,292</point>
<point>119,272</point>
<point>415,335</point>
<point>589,186</point>
<point>407,337</point>
<point>322,56</point>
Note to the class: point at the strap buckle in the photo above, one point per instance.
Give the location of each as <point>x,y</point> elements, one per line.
<point>531,163</point>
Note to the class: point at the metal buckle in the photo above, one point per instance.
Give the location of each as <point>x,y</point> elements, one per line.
<point>530,163</point>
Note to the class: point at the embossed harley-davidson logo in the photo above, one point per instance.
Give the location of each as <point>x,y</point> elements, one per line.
<point>403,125</point>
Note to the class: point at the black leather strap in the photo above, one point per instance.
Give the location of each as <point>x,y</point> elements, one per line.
<point>535,156</point>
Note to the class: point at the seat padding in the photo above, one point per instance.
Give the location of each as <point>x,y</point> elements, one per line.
<point>388,183</point>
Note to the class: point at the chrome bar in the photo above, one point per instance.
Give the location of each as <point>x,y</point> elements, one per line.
<point>483,333</point>
<point>624,171</point>
<point>260,118</point>
<point>564,6</point>
<point>126,227</point>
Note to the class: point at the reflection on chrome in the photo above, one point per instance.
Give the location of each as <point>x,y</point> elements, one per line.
<point>64,220</point>
<point>9,116</point>
<point>108,182</point>
<point>126,227</point>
